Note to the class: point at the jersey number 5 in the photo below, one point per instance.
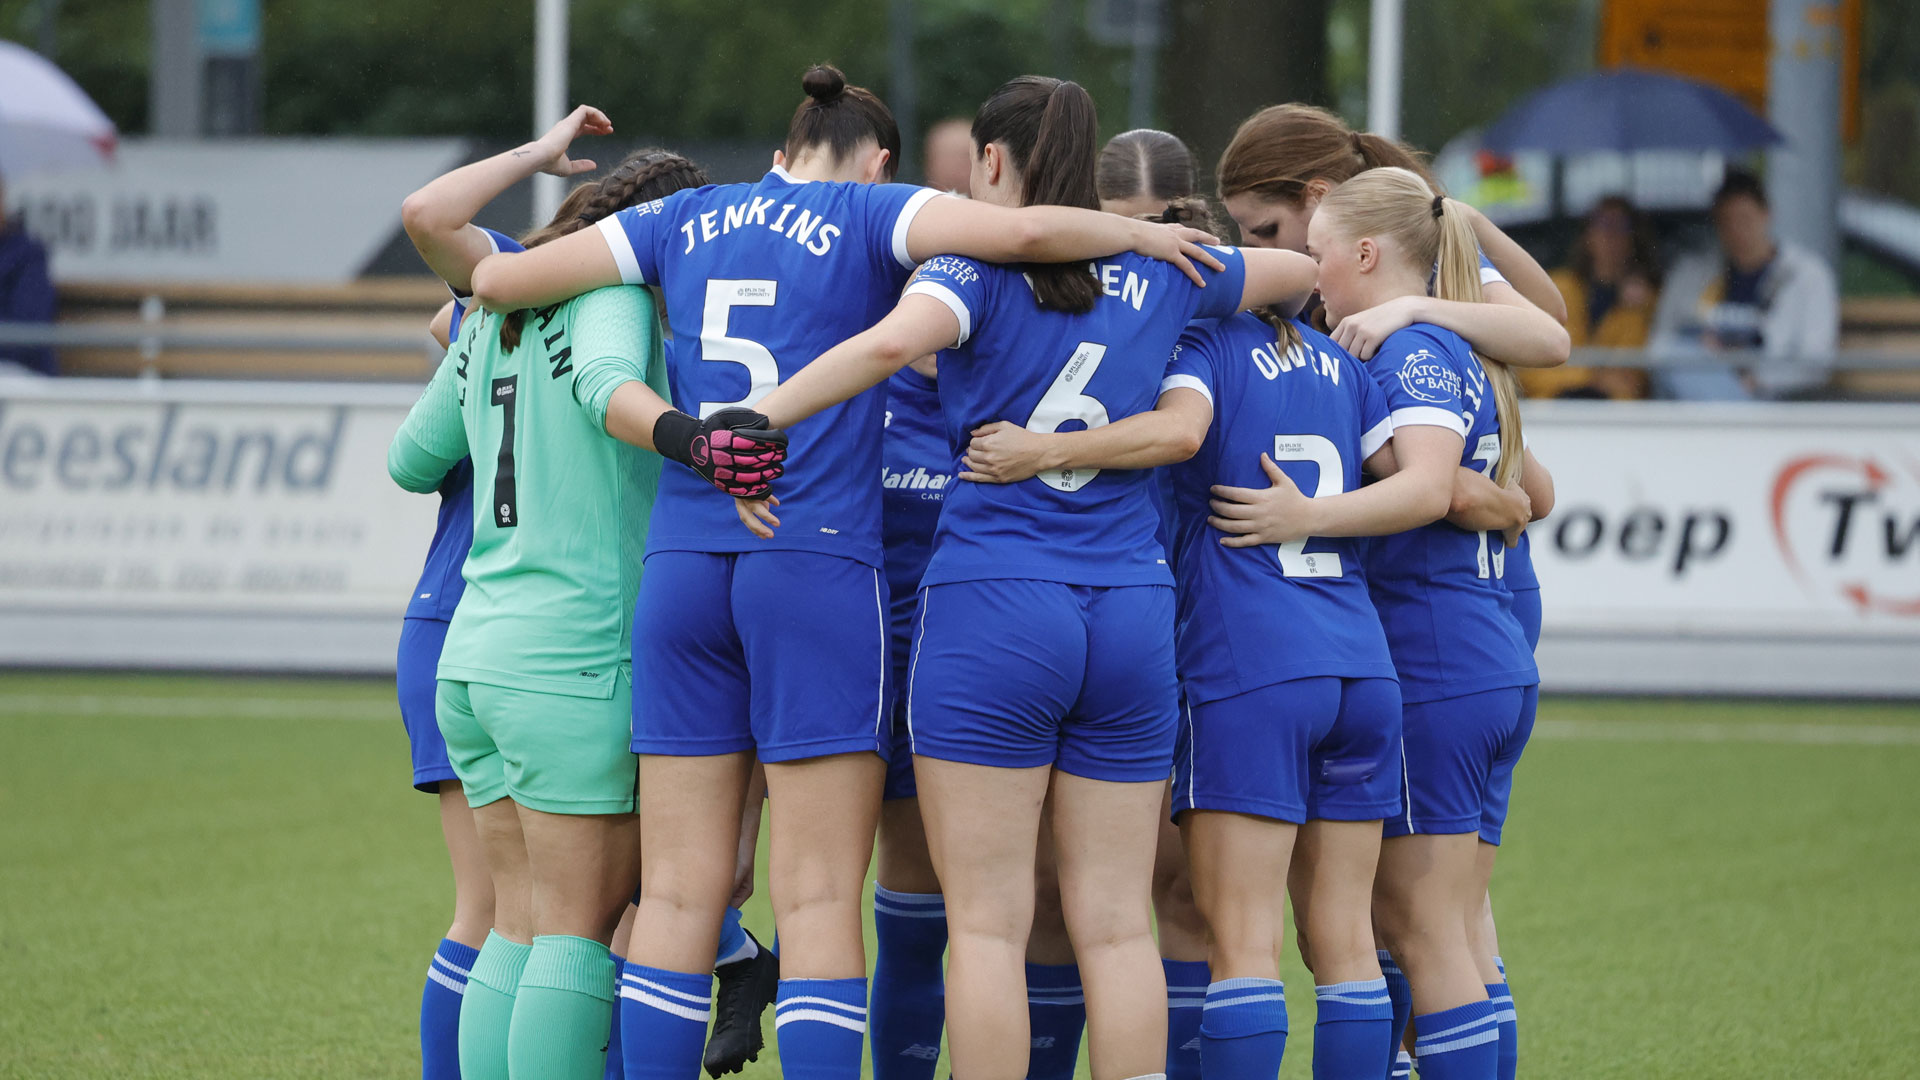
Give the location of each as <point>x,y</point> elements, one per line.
<point>1295,559</point>
<point>763,374</point>
<point>1066,400</point>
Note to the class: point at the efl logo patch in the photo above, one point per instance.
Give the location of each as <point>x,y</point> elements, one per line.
<point>1426,377</point>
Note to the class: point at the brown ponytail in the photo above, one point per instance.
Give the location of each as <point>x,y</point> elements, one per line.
<point>1279,150</point>
<point>644,176</point>
<point>1048,128</point>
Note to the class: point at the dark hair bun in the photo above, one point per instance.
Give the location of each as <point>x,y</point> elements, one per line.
<point>824,83</point>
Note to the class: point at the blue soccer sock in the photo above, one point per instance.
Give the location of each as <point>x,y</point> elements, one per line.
<point>440,1010</point>
<point>663,1019</point>
<point>616,1068</point>
<point>1352,1030</point>
<point>1186,1000</point>
<point>1402,1065</point>
<point>486,1009</point>
<point>1243,1031</point>
<point>1056,1015</point>
<point>1401,994</point>
<point>909,988</point>
<point>1502,1000</point>
<point>822,1028</point>
<point>735,945</point>
<point>1461,1043</point>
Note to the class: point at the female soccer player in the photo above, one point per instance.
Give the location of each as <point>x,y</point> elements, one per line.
<point>1285,159</point>
<point>1070,683</point>
<point>778,648</point>
<point>534,689</point>
<point>1148,173</point>
<point>1467,677</point>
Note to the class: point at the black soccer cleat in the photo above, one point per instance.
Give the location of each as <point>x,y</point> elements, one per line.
<point>747,987</point>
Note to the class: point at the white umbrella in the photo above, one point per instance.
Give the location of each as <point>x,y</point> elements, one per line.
<point>46,120</point>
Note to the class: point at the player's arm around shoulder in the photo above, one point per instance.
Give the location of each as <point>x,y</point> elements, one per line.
<point>433,437</point>
<point>615,340</point>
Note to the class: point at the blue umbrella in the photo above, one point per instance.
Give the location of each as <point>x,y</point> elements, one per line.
<point>1626,110</point>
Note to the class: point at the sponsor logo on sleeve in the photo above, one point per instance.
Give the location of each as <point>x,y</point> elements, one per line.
<point>1429,378</point>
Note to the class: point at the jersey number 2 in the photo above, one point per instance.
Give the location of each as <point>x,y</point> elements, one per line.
<point>1295,559</point>
<point>1493,564</point>
<point>1066,400</point>
<point>506,499</point>
<point>763,373</point>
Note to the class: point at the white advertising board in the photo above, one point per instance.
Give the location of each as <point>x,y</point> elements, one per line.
<point>1730,547</point>
<point>204,524</point>
<point>228,210</point>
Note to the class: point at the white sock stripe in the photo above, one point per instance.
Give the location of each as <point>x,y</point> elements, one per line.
<point>782,1019</point>
<point>787,1003</point>
<point>1503,999</point>
<point>633,993</point>
<point>1185,1003</point>
<point>1347,1000</point>
<point>1507,1016</point>
<point>1425,1049</point>
<point>909,899</point>
<point>697,999</point>
<point>459,987</point>
<point>1074,999</point>
<point>1455,1030</point>
<point>1500,965</point>
<point>1224,985</point>
<point>910,913</point>
<point>451,966</point>
<point>1228,1003</point>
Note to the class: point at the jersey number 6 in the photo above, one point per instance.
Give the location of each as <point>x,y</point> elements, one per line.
<point>1066,400</point>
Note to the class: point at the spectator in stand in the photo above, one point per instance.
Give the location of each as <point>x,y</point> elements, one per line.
<point>949,154</point>
<point>1755,293</point>
<point>1611,283</point>
<point>26,293</point>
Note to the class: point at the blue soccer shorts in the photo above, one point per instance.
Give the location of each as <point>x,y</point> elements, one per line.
<point>414,674</point>
<point>1018,673</point>
<point>1460,754</point>
<point>779,652</point>
<point>1314,749</point>
<point>900,782</point>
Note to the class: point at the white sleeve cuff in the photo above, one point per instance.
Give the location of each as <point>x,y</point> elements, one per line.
<point>1186,382</point>
<point>1428,416</point>
<point>905,221</point>
<point>951,299</point>
<point>622,249</point>
<point>1489,275</point>
<point>1375,438</point>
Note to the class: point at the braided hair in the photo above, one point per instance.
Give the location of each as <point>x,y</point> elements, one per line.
<point>644,176</point>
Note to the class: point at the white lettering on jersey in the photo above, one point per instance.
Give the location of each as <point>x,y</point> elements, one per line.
<point>1131,290</point>
<point>1271,361</point>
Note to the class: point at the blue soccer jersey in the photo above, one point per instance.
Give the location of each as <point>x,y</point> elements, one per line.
<point>1047,370</point>
<point>1250,617</point>
<point>916,469</point>
<point>759,279</point>
<point>1439,589</point>
<point>438,591</point>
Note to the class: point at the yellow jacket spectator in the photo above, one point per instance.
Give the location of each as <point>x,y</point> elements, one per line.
<point>1611,285</point>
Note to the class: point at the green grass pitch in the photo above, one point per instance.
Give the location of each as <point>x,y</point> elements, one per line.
<point>230,878</point>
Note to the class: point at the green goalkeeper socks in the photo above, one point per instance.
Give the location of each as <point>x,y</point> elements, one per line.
<point>487,1008</point>
<point>563,1013</point>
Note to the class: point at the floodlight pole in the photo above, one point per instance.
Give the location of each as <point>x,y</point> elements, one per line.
<point>1383,68</point>
<point>549,95</point>
<point>1803,101</point>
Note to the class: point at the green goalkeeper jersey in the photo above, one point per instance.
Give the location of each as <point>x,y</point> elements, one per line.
<point>560,507</point>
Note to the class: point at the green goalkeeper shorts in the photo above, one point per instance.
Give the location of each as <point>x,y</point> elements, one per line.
<point>550,752</point>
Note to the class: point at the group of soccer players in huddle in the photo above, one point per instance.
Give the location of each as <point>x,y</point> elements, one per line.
<point>1108,575</point>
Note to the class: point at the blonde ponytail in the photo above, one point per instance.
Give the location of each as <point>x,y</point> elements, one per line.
<point>1432,231</point>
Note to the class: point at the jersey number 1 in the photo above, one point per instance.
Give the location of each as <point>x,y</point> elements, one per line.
<point>1065,400</point>
<point>1493,564</point>
<point>1295,559</point>
<point>506,499</point>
